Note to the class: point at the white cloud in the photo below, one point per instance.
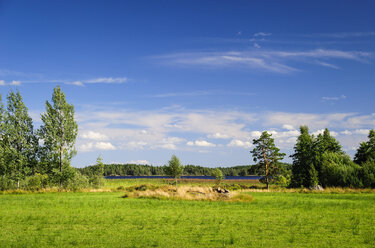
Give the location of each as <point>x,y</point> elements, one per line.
<point>76,83</point>
<point>255,134</point>
<point>256,45</point>
<point>218,136</point>
<point>168,128</point>
<point>93,135</point>
<point>92,146</point>
<point>13,83</point>
<point>240,143</point>
<point>201,143</point>
<point>346,132</point>
<point>108,80</point>
<point>362,131</point>
<point>288,127</point>
<point>144,162</point>
<point>104,146</point>
<point>262,34</point>
<point>267,60</point>
<point>325,64</point>
<point>345,34</point>
<point>335,98</point>
<point>103,80</point>
<point>356,131</point>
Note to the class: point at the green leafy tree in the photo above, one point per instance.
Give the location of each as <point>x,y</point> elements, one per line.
<point>267,155</point>
<point>58,132</point>
<point>366,150</point>
<point>339,170</point>
<point>325,143</point>
<point>19,142</point>
<point>303,168</point>
<point>218,174</point>
<point>96,178</point>
<point>174,168</point>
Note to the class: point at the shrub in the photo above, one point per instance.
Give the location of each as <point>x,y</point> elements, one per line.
<point>218,174</point>
<point>36,182</point>
<point>6,183</point>
<point>368,174</point>
<point>96,181</point>
<point>280,180</point>
<point>78,182</point>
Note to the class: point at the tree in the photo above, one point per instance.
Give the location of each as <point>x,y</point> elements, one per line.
<point>174,168</point>
<point>58,132</point>
<point>267,155</point>
<point>303,168</point>
<point>325,143</point>
<point>366,150</point>
<point>218,174</point>
<point>98,171</point>
<point>19,142</point>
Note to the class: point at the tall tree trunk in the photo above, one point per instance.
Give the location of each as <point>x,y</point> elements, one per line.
<point>266,164</point>
<point>176,184</point>
<point>60,166</point>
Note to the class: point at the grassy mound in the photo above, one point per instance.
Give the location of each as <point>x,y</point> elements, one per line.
<point>204,193</point>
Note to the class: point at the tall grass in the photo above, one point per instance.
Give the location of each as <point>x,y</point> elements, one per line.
<point>105,219</point>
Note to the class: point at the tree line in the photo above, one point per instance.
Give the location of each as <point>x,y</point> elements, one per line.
<point>149,170</point>
<point>321,161</point>
<point>36,158</point>
<point>189,170</point>
<point>318,161</point>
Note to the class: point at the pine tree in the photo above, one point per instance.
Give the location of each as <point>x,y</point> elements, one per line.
<point>58,132</point>
<point>366,150</point>
<point>267,154</point>
<point>303,169</point>
<point>19,142</point>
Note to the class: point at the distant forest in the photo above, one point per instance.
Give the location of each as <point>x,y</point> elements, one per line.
<point>189,170</point>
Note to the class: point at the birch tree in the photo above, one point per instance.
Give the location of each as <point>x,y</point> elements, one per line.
<point>58,133</point>
<point>19,142</point>
<point>175,168</point>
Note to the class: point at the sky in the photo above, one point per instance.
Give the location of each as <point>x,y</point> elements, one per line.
<point>198,79</point>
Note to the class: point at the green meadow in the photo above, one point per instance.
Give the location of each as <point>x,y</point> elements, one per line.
<point>105,219</point>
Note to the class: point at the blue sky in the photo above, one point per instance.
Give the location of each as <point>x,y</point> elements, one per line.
<point>199,79</point>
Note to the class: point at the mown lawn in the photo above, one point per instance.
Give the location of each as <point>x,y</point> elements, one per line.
<point>107,220</point>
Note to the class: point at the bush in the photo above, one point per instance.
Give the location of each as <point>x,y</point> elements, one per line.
<point>368,174</point>
<point>36,182</point>
<point>6,183</point>
<point>78,182</point>
<point>280,180</point>
<point>96,181</point>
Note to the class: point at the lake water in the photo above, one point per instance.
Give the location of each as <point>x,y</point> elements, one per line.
<point>187,177</point>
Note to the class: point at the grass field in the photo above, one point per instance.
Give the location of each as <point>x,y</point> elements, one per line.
<point>105,219</point>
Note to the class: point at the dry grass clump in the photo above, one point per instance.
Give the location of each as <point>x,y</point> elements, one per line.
<point>203,193</point>
<point>329,190</point>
